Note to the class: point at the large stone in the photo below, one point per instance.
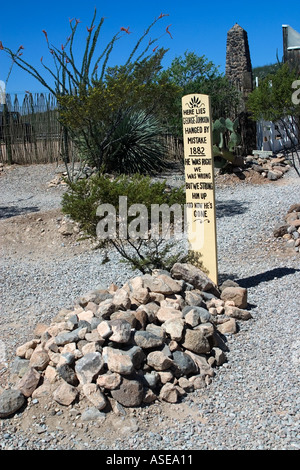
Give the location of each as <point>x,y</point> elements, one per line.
<point>121,331</point>
<point>139,296</point>
<point>237,313</point>
<point>121,300</point>
<point>21,350</point>
<point>195,315</point>
<point>88,367</point>
<point>105,309</point>
<point>159,361</point>
<point>29,382</point>
<point>237,294</point>
<point>219,356</point>
<point>141,319</point>
<point>194,276</point>
<point>198,382</point>
<point>104,329</point>
<point>174,327</point>
<point>183,364</point>
<point>66,357</point>
<point>194,298</point>
<point>228,327</point>
<point>44,390</point>
<point>175,301</point>
<point>169,393</point>
<point>149,396</point>
<point>95,296</point>
<point>130,393</point>
<point>201,362</point>
<point>19,367</point>
<point>146,339</point>
<point>51,374</point>
<point>274,175</point>
<point>92,346</point>
<point>228,283</point>
<point>165,376</point>
<point>11,400</point>
<point>136,354</point>
<point>39,360</point>
<point>157,330</point>
<point>94,395</point>
<point>66,372</point>
<point>168,313</point>
<point>196,341</point>
<point>109,381</point>
<point>162,284</point>
<point>151,379</point>
<point>65,394</point>
<point>86,315</point>
<point>150,309</point>
<point>118,361</point>
<point>68,337</point>
<point>126,315</point>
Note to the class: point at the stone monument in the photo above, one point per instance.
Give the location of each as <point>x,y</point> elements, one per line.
<point>239,72</point>
<point>238,62</point>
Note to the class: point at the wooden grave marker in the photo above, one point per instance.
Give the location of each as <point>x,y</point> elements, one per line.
<point>199,182</point>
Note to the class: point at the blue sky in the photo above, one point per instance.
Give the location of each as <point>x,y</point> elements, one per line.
<point>197,26</point>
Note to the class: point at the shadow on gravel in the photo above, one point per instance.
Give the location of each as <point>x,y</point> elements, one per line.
<point>275,273</point>
<point>12,211</point>
<point>230,208</point>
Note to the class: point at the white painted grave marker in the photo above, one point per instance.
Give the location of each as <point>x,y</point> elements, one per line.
<point>199,181</point>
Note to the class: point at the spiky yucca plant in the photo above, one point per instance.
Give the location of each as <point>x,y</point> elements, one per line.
<point>137,146</point>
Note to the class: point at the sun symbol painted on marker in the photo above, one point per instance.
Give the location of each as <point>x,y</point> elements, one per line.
<point>195,103</point>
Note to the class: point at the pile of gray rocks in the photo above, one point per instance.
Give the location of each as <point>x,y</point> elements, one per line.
<point>289,230</point>
<point>269,166</point>
<point>78,172</point>
<point>158,337</point>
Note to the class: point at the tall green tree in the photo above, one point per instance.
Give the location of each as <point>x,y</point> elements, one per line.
<point>273,101</point>
<point>196,74</point>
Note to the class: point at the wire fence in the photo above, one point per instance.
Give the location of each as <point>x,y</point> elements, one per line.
<point>30,132</point>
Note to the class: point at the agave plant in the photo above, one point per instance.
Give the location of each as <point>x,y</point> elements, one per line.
<point>137,146</point>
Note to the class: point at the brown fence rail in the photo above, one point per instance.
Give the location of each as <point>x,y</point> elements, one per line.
<point>30,132</point>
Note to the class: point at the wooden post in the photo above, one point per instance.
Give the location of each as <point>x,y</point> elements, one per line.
<point>199,181</point>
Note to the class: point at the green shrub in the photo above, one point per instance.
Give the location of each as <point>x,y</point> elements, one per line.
<point>145,253</point>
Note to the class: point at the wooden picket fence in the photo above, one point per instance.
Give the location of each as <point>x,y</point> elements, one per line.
<point>32,133</point>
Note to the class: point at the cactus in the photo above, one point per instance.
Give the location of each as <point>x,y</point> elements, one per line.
<point>225,141</point>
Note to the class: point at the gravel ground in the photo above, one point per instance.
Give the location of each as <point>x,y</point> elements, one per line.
<point>252,403</point>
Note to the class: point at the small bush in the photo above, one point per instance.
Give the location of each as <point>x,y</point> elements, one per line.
<point>83,198</point>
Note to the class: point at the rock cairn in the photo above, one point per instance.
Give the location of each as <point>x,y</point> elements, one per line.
<point>270,167</point>
<point>290,229</point>
<point>158,337</point>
